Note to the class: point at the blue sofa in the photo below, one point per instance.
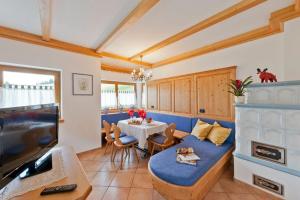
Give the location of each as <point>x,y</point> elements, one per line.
<point>180,181</point>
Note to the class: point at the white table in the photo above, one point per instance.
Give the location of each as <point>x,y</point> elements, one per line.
<point>143,131</point>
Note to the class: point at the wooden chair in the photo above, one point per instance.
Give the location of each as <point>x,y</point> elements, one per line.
<point>162,141</point>
<point>123,144</point>
<point>109,135</point>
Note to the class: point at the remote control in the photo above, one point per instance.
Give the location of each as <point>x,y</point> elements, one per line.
<point>59,189</point>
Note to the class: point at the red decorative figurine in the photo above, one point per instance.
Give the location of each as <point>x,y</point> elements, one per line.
<point>266,76</point>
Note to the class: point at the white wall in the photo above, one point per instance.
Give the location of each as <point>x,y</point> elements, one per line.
<point>292,50</point>
<point>115,76</point>
<point>81,128</point>
<point>280,53</point>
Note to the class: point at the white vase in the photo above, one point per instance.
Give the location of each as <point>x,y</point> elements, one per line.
<point>239,99</point>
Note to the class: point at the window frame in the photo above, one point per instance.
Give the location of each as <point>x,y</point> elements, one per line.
<point>116,83</point>
<point>56,74</point>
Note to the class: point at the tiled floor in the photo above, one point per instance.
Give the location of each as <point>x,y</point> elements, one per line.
<point>133,182</point>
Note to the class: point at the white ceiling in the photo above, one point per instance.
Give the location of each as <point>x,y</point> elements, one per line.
<point>89,22</point>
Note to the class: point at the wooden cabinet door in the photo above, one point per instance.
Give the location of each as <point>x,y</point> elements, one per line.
<point>221,96</point>
<point>213,99</point>
<point>152,97</point>
<point>183,95</point>
<point>165,96</point>
<point>204,95</point>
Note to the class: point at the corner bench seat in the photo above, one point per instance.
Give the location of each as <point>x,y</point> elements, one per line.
<point>164,165</point>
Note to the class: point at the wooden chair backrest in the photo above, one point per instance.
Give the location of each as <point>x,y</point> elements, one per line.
<point>170,134</point>
<point>117,133</point>
<point>107,128</point>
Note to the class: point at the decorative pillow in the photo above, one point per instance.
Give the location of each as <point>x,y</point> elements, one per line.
<point>218,134</point>
<point>201,129</point>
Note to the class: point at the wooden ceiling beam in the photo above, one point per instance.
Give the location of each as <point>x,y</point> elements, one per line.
<point>45,9</point>
<point>143,7</point>
<point>275,26</point>
<point>36,39</point>
<point>114,68</point>
<point>118,57</point>
<point>219,17</point>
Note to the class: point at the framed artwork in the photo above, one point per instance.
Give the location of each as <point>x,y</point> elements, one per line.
<point>82,84</point>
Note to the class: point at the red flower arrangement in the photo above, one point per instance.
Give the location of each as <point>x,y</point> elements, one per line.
<point>130,112</point>
<point>238,86</point>
<point>142,114</point>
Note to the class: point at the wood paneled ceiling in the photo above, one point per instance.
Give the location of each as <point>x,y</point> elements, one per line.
<point>162,31</point>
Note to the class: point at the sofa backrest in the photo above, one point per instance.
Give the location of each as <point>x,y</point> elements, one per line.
<point>224,124</point>
<point>182,123</point>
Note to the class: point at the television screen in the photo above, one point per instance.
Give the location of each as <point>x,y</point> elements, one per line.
<point>26,134</point>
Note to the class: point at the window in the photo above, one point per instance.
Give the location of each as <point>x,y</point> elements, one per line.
<point>24,86</point>
<point>115,95</point>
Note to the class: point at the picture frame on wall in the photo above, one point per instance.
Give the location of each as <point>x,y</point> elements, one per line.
<point>82,84</point>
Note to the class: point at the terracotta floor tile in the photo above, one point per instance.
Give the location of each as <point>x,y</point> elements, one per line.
<point>217,188</point>
<point>216,196</point>
<point>142,181</point>
<point>102,157</point>
<point>123,179</point>
<point>114,193</point>
<point>233,196</point>
<point>97,193</point>
<point>128,167</point>
<point>110,166</point>
<point>91,166</point>
<point>157,196</point>
<point>142,168</point>
<point>140,194</point>
<point>230,186</point>
<point>103,178</point>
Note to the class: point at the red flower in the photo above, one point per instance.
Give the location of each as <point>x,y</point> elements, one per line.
<point>130,112</point>
<point>238,84</point>
<point>142,114</point>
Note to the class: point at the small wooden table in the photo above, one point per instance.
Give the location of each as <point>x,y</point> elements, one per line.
<point>74,174</point>
<point>179,135</point>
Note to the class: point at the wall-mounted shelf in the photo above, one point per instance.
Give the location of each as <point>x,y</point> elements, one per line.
<point>274,84</point>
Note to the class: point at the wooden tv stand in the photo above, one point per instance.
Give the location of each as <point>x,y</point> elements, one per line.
<point>74,174</point>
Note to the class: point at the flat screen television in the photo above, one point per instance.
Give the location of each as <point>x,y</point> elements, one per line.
<point>26,135</point>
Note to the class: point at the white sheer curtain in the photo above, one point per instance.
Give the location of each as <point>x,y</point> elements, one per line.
<point>22,95</point>
<point>127,98</point>
<point>108,99</point>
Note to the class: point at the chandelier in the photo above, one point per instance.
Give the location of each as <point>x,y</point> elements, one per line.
<point>140,75</point>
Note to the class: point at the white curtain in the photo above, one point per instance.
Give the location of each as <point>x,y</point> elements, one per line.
<point>127,98</point>
<point>20,95</point>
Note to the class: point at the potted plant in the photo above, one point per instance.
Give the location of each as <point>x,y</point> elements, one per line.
<point>238,89</point>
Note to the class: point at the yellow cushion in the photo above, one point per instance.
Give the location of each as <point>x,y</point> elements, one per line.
<point>218,134</point>
<point>201,129</point>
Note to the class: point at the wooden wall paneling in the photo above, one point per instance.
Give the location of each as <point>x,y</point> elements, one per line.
<point>152,96</point>
<point>165,96</point>
<point>183,95</point>
<point>212,94</point>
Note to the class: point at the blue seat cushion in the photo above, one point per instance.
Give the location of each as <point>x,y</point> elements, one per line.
<point>121,135</point>
<point>159,139</point>
<point>164,164</point>
<point>128,139</point>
